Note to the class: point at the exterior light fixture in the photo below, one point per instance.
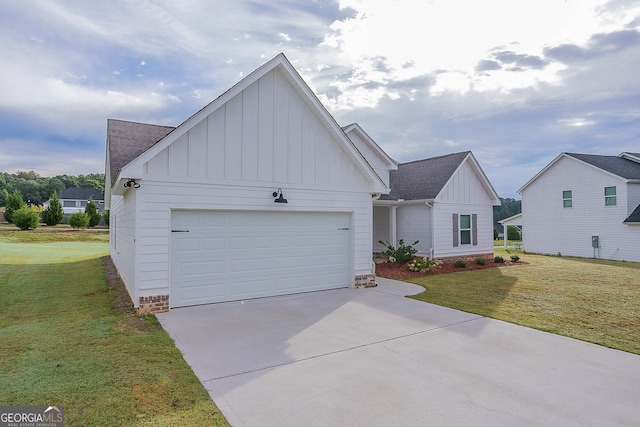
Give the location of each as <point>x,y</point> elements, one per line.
<point>132,183</point>
<point>280,198</point>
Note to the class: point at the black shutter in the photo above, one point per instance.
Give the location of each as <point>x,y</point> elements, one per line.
<point>456,234</point>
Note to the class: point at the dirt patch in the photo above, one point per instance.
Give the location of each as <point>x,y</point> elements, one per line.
<point>401,271</point>
<point>122,303</point>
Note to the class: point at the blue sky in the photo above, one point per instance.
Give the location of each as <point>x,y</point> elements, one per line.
<point>515,82</point>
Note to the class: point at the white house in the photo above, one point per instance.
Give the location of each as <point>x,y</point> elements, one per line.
<point>445,202</point>
<point>260,193</point>
<point>584,205</point>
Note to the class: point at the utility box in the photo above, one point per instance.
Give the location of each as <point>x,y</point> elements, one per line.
<point>595,242</point>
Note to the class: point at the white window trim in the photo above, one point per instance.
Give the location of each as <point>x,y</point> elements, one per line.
<point>567,199</point>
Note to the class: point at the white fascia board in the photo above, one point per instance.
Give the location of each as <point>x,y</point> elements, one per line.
<point>517,218</point>
<point>355,127</point>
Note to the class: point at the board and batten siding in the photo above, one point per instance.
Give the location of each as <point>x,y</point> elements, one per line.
<point>550,228</point>
<point>264,134</point>
<point>464,194</point>
<point>377,163</point>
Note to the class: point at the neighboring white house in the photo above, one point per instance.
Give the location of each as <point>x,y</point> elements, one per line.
<point>445,202</point>
<point>584,205</point>
<point>260,193</point>
<point>75,199</point>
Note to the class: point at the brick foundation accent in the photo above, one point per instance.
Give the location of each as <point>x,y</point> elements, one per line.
<point>154,304</point>
<point>488,257</point>
<point>366,281</point>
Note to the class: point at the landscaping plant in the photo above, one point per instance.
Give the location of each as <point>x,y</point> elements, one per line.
<point>92,212</point>
<point>401,254</point>
<point>14,203</point>
<point>422,265</point>
<point>79,220</point>
<point>25,218</point>
<point>498,259</point>
<point>460,263</point>
<point>481,261</point>
<point>53,214</point>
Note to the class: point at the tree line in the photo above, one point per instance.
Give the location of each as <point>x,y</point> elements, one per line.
<point>36,189</point>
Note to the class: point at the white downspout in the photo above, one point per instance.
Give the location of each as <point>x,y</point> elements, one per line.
<point>431,249</point>
<point>393,231</point>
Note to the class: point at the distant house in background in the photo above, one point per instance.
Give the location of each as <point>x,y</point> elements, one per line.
<point>445,202</point>
<point>584,205</point>
<point>75,199</point>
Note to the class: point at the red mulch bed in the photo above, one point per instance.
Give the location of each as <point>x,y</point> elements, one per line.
<point>401,272</point>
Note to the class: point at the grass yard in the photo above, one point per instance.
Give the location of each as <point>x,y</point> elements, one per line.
<point>68,339</point>
<point>592,300</point>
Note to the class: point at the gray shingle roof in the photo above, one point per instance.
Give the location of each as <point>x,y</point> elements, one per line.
<point>634,217</point>
<point>127,140</point>
<point>77,193</point>
<point>422,179</point>
<point>624,168</point>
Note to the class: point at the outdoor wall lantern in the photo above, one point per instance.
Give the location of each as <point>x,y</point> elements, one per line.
<point>132,183</point>
<point>280,198</point>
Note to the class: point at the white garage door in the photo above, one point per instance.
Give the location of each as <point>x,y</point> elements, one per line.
<point>234,255</point>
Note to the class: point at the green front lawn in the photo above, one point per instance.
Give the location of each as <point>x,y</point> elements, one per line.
<point>68,339</point>
<point>591,300</point>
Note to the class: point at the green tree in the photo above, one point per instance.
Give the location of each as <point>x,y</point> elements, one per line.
<point>4,196</point>
<point>25,218</point>
<point>79,220</point>
<point>513,233</point>
<point>92,212</point>
<point>14,202</point>
<point>105,216</point>
<point>53,214</point>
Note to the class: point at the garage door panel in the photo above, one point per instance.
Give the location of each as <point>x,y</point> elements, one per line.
<point>230,256</point>
<point>198,268</point>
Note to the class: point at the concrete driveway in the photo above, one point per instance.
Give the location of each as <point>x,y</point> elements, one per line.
<point>372,357</point>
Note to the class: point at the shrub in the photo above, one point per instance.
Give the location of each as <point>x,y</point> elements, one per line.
<point>515,258</point>
<point>14,203</point>
<point>105,216</point>
<point>460,263</point>
<point>92,212</point>
<point>422,264</point>
<point>79,220</point>
<point>24,218</point>
<point>481,261</point>
<point>498,259</point>
<point>53,214</point>
<point>403,253</point>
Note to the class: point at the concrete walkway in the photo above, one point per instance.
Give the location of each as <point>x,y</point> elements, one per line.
<point>371,357</point>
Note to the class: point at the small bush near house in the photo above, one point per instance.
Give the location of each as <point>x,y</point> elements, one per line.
<point>498,259</point>
<point>105,216</point>
<point>460,263</point>
<point>25,219</point>
<point>481,261</point>
<point>515,258</point>
<point>422,265</point>
<point>79,220</point>
<point>403,253</point>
